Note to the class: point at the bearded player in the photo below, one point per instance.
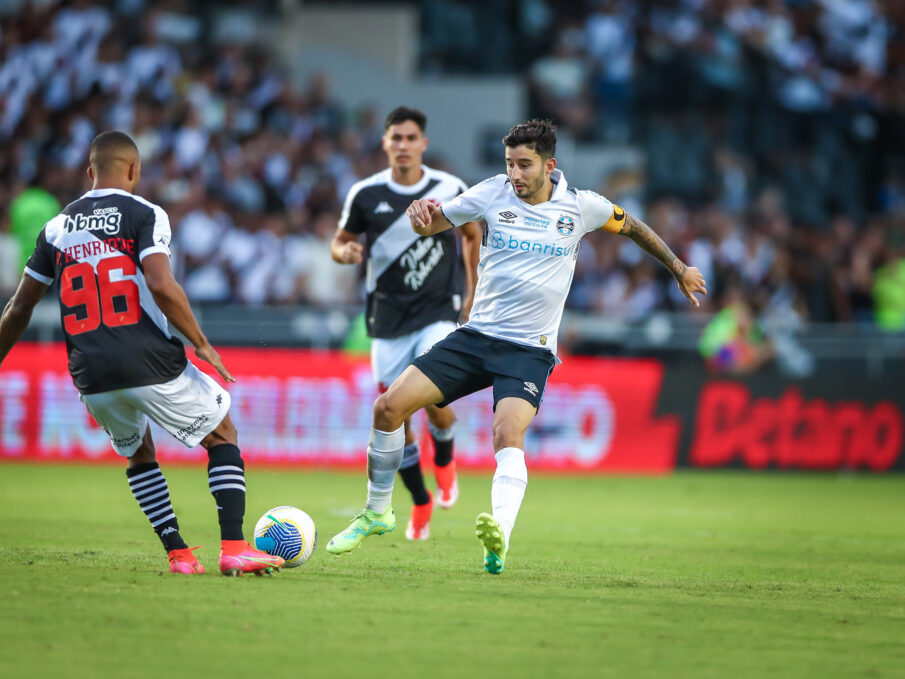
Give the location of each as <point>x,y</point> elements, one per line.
<point>535,223</point>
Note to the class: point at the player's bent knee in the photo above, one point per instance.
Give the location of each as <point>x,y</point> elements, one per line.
<point>508,434</point>
<point>142,456</point>
<point>442,418</point>
<point>389,412</point>
<point>145,453</point>
<point>224,433</point>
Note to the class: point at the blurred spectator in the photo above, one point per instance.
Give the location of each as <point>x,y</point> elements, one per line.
<point>10,259</point>
<point>28,213</point>
<point>560,83</point>
<point>733,341</point>
<point>889,295</point>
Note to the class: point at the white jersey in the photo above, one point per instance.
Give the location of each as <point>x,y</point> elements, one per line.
<point>528,255</point>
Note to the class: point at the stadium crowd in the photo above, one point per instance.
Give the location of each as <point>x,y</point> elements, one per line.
<point>253,169</point>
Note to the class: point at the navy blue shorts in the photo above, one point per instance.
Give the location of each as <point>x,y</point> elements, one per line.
<point>466,361</point>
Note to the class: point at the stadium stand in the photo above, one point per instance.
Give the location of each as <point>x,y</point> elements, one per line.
<point>772,133</point>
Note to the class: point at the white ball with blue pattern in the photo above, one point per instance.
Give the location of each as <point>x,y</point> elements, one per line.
<point>287,532</point>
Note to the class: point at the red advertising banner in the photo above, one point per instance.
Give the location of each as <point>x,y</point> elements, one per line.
<point>314,408</point>
<point>789,431</point>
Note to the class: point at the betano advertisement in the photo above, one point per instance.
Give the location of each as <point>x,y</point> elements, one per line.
<point>599,415</point>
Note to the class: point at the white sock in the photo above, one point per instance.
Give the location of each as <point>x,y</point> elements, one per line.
<point>508,488</point>
<point>384,458</point>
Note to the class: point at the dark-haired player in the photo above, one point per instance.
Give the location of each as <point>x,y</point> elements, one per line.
<point>109,254</point>
<point>535,222</point>
<point>415,292</point>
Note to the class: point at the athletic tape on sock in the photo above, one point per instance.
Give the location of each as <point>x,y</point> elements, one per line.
<point>387,441</point>
<point>442,434</point>
<point>411,455</point>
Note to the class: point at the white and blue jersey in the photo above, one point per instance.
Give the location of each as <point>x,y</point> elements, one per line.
<point>528,255</point>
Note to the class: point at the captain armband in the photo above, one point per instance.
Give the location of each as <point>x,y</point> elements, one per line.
<point>616,220</point>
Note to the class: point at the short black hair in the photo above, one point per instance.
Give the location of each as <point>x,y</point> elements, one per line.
<point>402,113</point>
<point>108,147</point>
<point>536,134</point>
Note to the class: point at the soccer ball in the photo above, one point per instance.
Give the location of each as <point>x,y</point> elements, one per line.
<point>287,532</point>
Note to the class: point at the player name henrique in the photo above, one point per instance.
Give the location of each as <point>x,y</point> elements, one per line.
<point>96,248</point>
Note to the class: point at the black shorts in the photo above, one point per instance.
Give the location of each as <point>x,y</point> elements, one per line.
<point>466,361</point>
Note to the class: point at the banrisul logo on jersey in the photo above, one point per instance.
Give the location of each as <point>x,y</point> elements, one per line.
<point>105,219</point>
<point>499,241</point>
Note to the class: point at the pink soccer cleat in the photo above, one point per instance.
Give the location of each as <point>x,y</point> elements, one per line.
<point>419,527</point>
<point>237,557</point>
<point>184,561</point>
<point>447,485</point>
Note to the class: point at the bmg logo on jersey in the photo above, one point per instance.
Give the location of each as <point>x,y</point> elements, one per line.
<point>500,242</point>
<point>105,219</point>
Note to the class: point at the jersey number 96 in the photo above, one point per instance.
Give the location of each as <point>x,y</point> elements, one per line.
<point>97,294</point>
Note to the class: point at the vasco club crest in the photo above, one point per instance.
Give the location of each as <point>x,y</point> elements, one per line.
<point>565,225</point>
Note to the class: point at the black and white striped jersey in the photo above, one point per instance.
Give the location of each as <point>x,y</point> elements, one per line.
<point>116,335</point>
<point>411,281</point>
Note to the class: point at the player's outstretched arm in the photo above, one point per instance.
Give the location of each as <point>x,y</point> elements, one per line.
<point>18,311</point>
<point>689,278</point>
<point>427,218</point>
<point>345,248</point>
<point>171,299</point>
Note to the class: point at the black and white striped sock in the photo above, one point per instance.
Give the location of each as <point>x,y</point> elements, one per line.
<point>149,487</point>
<point>226,480</point>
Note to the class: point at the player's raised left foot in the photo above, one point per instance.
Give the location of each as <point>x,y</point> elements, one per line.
<point>491,536</point>
<point>447,485</point>
<point>238,557</point>
<point>367,523</point>
<point>184,561</point>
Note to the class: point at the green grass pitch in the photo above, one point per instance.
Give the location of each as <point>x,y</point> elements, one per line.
<point>693,575</point>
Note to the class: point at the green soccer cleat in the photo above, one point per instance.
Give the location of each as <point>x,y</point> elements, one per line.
<point>365,524</point>
<point>491,536</point>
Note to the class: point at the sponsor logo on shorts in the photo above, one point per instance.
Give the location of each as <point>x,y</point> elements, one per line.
<point>185,432</point>
<point>219,399</point>
<point>126,442</point>
<point>531,388</point>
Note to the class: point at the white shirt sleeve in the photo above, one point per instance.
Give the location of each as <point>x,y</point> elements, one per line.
<point>158,237</point>
<point>471,205</point>
<point>597,212</point>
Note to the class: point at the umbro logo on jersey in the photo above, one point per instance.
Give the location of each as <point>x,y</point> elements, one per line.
<point>507,217</point>
<point>382,208</point>
<point>531,388</point>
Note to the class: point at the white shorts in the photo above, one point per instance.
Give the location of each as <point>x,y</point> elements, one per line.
<point>389,357</point>
<point>189,407</point>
